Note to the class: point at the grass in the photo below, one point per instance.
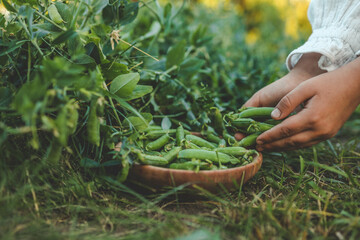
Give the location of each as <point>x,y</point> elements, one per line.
<point>310,193</point>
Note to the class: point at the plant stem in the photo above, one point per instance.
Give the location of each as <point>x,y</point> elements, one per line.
<point>29,63</point>
<point>110,100</point>
<point>30,37</point>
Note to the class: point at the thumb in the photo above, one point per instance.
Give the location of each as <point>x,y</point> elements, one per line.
<point>290,101</point>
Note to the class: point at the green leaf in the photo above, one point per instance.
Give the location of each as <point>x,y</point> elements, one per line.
<point>3,133</point>
<point>54,14</point>
<point>199,36</point>
<point>84,59</point>
<point>175,54</point>
<point>128,13</point>
<point>123,14</point>
<point>5,97</point>
<point>111,70</point>
<point>92,49</point>
<point>124,104</point>
<point>27,12</point>
<point>124,85</point>
<point>139,91</point>
<point>155,28</point>
<point>111,163</point>
<point>190,66</point>
<point>64,11</point>
<point>12,46</point>
<point>137,122</point>
<point>99,5</point>
<point>166,123</point>
<point>89,163</point>
<point>68,35</point>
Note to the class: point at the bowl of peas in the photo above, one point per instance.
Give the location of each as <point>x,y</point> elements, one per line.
<point>210,160</point>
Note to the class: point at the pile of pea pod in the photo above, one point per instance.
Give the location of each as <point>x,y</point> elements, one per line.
<point>251,122</point>
<point>213,148</point>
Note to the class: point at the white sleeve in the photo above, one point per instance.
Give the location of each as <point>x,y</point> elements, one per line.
<point>336,33</point>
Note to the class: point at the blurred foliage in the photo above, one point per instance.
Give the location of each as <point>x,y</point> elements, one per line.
<point>285,16</point>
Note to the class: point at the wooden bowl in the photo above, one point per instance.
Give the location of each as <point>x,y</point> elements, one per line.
<point>211,180</point>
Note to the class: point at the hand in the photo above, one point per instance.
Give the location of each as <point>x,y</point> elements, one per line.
<point>329,99</point>
<point>270,95</point>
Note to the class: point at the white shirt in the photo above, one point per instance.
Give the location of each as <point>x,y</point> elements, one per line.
<point>336,33</point>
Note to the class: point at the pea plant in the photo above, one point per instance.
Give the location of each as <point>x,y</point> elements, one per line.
<point>77,77</point>
<point>67,84</point>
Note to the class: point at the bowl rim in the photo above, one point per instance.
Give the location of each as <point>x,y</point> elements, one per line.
<point>258,160</point>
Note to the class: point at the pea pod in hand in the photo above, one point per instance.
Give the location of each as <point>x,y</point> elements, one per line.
<point>256,112</point>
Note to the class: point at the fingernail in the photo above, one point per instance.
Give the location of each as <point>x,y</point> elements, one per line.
<point>275,113</point>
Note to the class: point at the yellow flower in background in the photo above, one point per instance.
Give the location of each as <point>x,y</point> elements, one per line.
<point>215,3</point>
<point>5,12</point>
<point>292,12</point>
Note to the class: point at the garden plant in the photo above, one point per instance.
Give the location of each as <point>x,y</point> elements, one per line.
<point>79,77</point>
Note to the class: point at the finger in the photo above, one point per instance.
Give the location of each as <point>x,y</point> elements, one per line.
<point>290,101</point>
<point>300,140</point>
<point>288,127</point>
<point>254,101</point>
<point>238,136</point>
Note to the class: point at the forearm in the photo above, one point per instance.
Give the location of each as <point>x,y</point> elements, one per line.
<point>349,75</point>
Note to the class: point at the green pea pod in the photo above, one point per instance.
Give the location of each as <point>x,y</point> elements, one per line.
<point>122,176</point>
<point>207,155</point>
<point>152,128</point>
<point>212,137</point>
<point>234,151</point>
<point>242,123</point>
<point>54,152</point>
<point>200,141</point>
<point>54,14</point>
<point>191,165</point>
<point>222,143</point>
<point>249,140</point>
<point>217,120</point>
<point>180,135</point>
<point>256,112</point>
<point>172,154</point>
<point>150,159</point>
<point>191,145</point>
<point>273,121</point>
<point>158,143</point>
<point>259,127</point>
<point>182,166</point>
<point>158,133</point>
<point>229,138</point>
<point>93,125</point>
<point>169,146</point>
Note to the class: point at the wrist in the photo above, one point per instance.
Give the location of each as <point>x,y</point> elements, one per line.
<point>350,76</point>
<point>306,68</point>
